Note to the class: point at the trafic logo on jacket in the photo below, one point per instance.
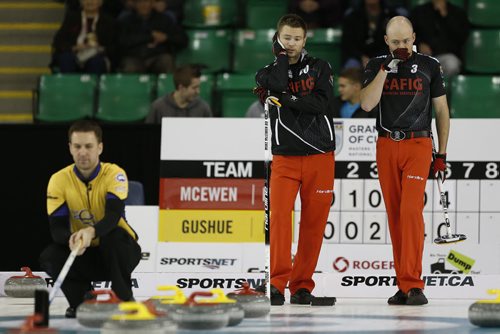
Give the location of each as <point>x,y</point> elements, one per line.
<point>408,92</point>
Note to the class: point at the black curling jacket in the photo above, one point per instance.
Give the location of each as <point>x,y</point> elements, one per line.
<point>304,123</point>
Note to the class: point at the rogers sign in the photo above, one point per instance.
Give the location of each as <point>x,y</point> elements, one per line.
<point>341,264</point>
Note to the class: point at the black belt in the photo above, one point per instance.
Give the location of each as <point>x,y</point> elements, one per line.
<point>398,135</point>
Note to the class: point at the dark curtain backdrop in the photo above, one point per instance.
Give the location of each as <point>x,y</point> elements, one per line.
<point>30,154</point>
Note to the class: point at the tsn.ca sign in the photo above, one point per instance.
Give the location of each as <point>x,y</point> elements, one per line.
<point>440,281</point>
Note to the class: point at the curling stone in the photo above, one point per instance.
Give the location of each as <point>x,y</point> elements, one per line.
<point>162,316</point>
<point>24,286</point>
<point>255,304</point>
<point>486,313</point>
<point>93,312</point>
<point>168,302</point>
<point>195,315</point>
<point>136,319</point>
<point>30,326</point>
<point>233,308</point>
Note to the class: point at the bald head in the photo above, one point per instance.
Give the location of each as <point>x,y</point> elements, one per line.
<point>399,34</point>
<point>398,23</point>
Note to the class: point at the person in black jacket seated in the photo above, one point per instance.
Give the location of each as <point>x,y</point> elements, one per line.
<point>363,33</point>
<point>149,40</point>
<point>441,29</point>
<point>347,105</point>
<point>85,41</point>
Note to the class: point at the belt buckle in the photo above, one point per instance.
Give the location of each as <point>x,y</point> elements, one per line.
<point>397,135</point>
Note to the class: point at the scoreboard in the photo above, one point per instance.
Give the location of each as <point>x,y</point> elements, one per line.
<point>214,168</point>
<point>472,186</point>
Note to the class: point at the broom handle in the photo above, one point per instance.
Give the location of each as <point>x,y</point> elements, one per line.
<point>64,271</point>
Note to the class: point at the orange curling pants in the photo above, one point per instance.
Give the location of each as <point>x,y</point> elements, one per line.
<point>403,168</point>
<point>313,175</point>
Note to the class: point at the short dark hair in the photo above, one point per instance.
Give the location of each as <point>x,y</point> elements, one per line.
<point>353,73</point>
<point>86,126</point>
<point>183,75</point>
<point>292,20</point>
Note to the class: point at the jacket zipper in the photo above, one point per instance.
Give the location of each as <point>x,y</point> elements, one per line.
<point>276,132</point>
<point>329,127</point>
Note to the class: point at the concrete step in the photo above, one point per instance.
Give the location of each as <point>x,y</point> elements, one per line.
<point>26,37</point>
<point>30,4</point>
<point>16,117</point>
<point>25,59</point>
<point>18,82</point>
<point>30,26</point>
<point>15,105</point>
<point>31,15</point>
<point>24,70</point>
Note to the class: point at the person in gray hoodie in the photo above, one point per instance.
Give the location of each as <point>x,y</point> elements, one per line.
<point>184,101</point>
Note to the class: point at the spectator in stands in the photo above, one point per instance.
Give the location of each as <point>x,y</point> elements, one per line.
<point>85,40</point>
<point>184,101</point>
<point>162,7</point>
<point>149,40</point>
<point>441,29</point>
<point>256,109</point>
<point>319,13</point>
<point>110,7</point>
<point>348,104</point>
<point>363,33</point>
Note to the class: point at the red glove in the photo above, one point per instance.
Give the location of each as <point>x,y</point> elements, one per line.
<point>261,94</point>
<point>439,166</point>
<point>394,58</point>
<point>278,48</point>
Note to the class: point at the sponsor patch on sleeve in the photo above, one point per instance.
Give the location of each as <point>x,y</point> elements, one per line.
<point>121,189</point>
<point>120,177</point>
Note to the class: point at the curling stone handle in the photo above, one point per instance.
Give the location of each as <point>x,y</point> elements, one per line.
<point>134,311</point>
<point>168,288</point>
<point>495,292</point>
<point>220,297</point>
<point>246,290</point>
<point>110,293</point>
<point>27,273</point>
<point>192,298</point>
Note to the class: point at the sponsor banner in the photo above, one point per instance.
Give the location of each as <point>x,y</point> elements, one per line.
<point>144,220</point>
<point>355,259</point>
<point>462,258</point>
<point>144,285</point>
<point>384,286</point>
<point>457,259</point>
<point>225,194</point>
<point>201,257</point>
<point>211,226</point>
<point>355,140</point>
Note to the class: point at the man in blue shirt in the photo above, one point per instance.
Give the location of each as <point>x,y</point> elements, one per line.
<point>347,105</point>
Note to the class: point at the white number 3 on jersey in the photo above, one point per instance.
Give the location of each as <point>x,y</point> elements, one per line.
<point>414,68</point>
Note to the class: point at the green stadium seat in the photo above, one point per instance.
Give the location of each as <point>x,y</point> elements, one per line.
<point>325,44</point>
<point>210,13</point>
<point>211,48</point>
<point>124,97</point>
<point>166,85</point>
<point>484,12</point>
<point>459,3</point>
<point>65,97</point>
<point>264,14</point>
<point>234,93</point>
<point>253,50</point>
<point>482,51</point>
<point>475,96</point>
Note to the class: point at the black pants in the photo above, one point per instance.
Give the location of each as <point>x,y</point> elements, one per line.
<point>113,260</point>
